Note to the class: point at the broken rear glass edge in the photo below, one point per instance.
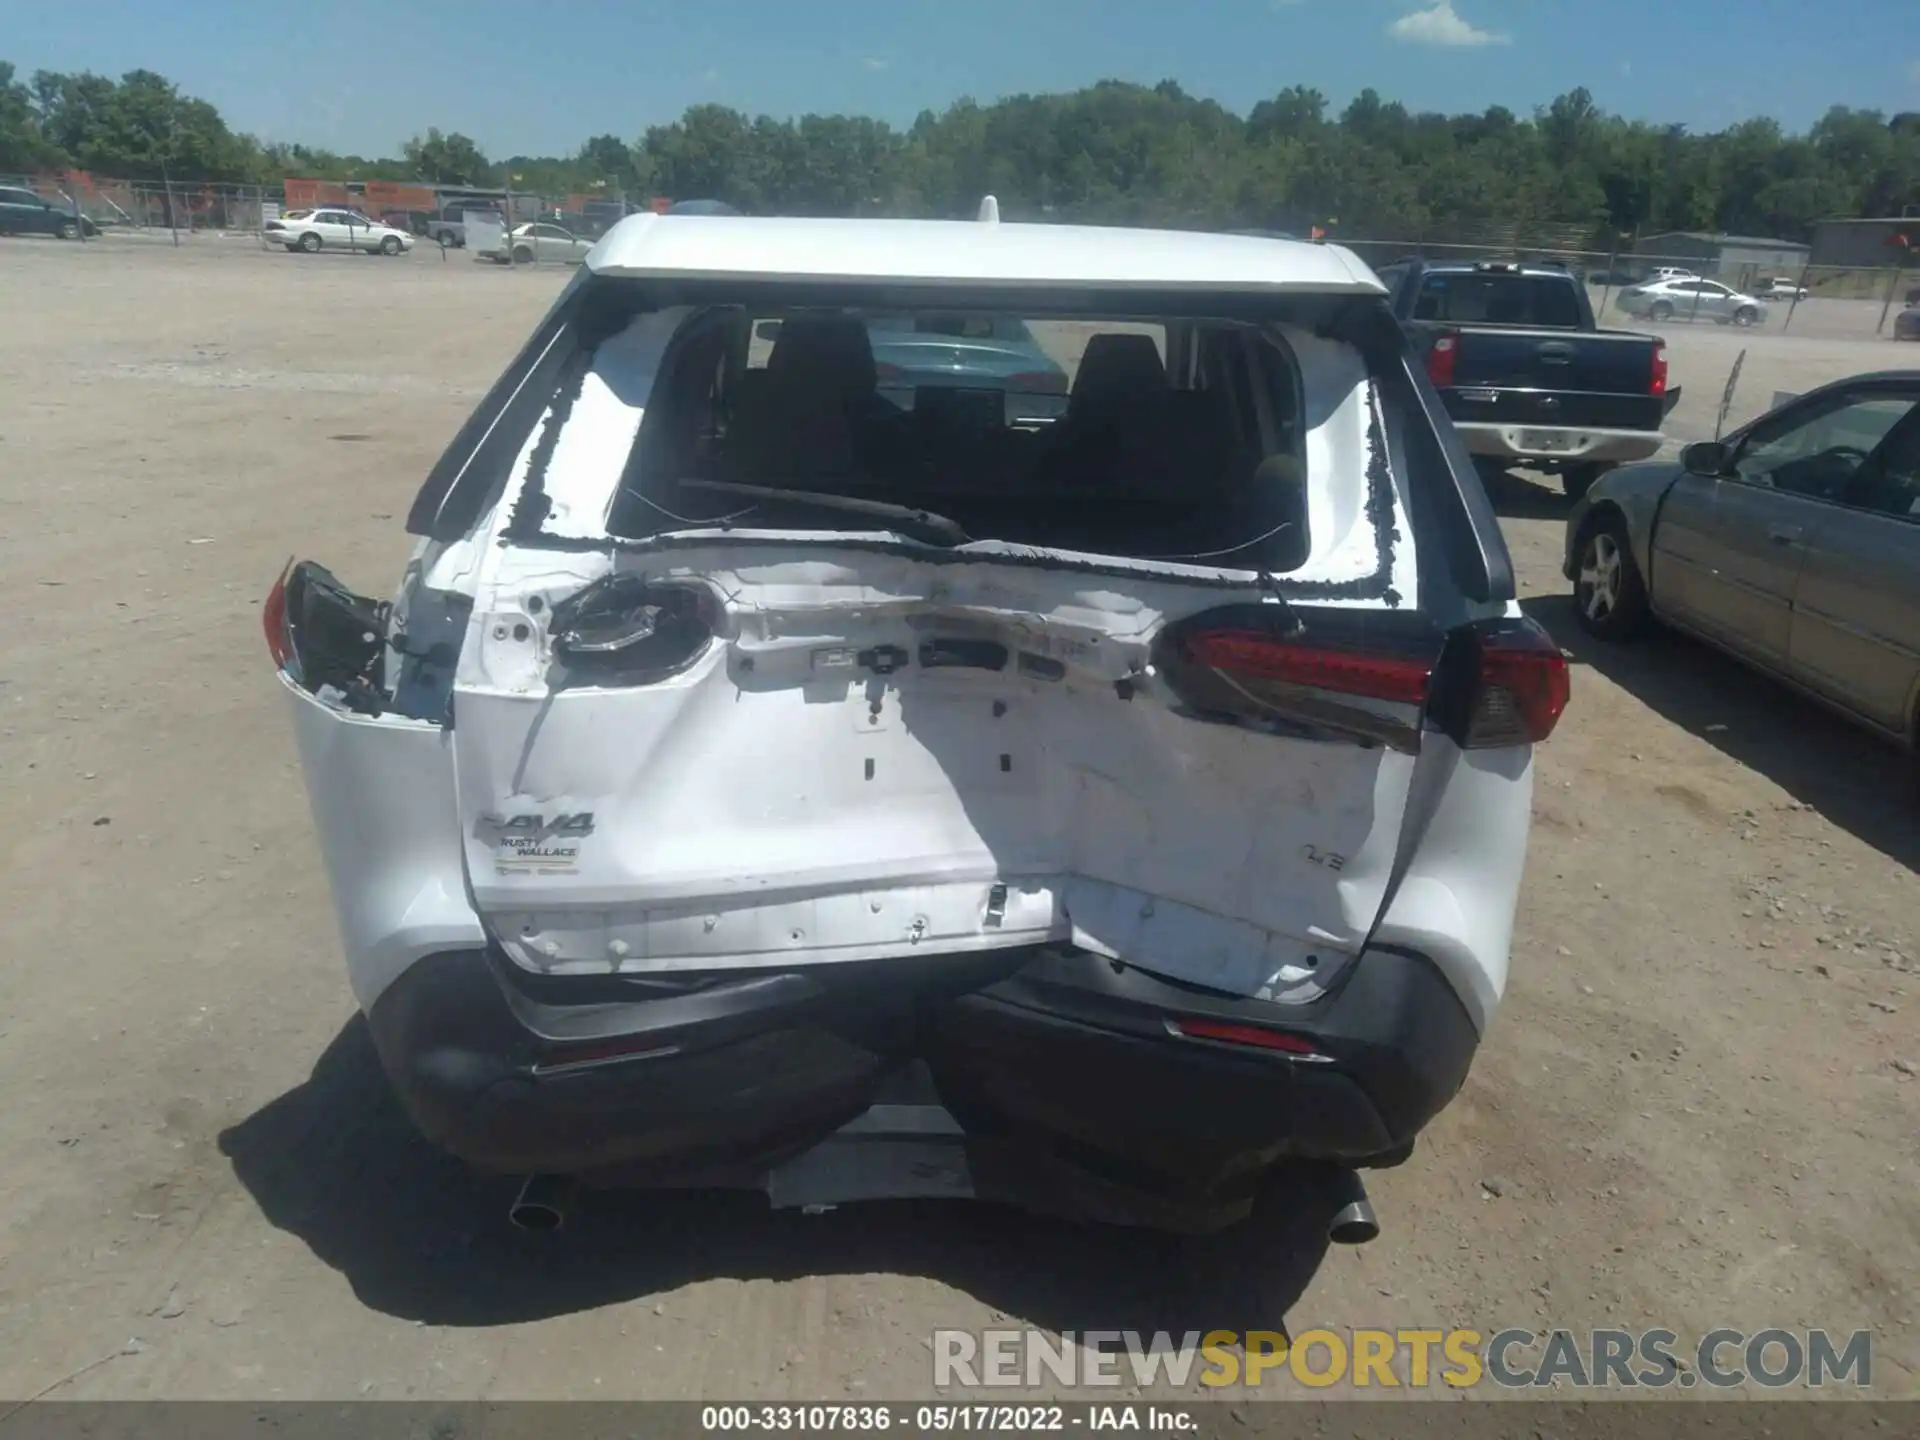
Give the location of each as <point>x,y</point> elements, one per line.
<point>548,377</point>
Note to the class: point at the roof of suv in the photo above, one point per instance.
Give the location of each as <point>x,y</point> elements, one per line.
<point>964,252</point>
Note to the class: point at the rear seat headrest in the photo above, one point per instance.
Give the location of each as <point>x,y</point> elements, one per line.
<point>824,352</point>
<point>1117,371</point>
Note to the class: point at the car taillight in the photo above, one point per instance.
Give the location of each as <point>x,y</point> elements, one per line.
<point>1339,675</point>
<point>1501,682</point>
<point>1382,680</point>
<point>273,620</point>
<point>1446,349</point>
<point>889,374</point>
<point>1255,1037</point>
<point>1657,382</point>
<point>1039,382</point>
<point>1250,656</point>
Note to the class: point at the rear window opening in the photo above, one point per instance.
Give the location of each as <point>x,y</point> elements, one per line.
<point>1546,301</point>
<point>1145,438</point>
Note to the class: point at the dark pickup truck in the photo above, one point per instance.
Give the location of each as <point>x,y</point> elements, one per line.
<point>1527,376</point>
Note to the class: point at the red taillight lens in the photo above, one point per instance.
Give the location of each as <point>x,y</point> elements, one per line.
<point>1521,687</point>
<point>1249,654</point>
<point>1657,382</point>
<point>1446,349</point>
<point>1256,1037</point>
<point>273,620</point>
<point>1039,382</point>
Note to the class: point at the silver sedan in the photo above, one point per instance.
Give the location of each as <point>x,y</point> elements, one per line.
<point>1794,545</point>
<point>541,242</point>
<point>1690,299</point>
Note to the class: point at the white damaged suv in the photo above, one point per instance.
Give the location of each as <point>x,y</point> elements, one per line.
<point>772,749</point>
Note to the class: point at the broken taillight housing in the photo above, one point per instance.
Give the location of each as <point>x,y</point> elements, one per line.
<point>631,630</point>
<point>273,620</point>
<point>1440,359</point>
<point>1506,683</point>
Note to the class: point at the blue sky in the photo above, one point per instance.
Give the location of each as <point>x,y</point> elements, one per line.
<point>539,76</point>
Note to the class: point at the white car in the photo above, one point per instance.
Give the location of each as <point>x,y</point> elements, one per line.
<point>756,779</point>
<point>1669,272</point>
<point>1780,287</point>
<point>1691,300</point>
<point>332,228</point>
<point>540,241</point>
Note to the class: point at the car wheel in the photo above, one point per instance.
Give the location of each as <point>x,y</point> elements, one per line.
<point>309,243</point>
<point>66,230</point>
<point>1609,597</point>
<point>390,245</point>
<point>1661,311</point>
<point>522,255</point>
<point>1746,316</point>
<point>1576,480</point>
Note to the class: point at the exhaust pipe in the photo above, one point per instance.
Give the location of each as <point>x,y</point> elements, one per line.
<point>1354,1223</point>
<point>543,1203</point>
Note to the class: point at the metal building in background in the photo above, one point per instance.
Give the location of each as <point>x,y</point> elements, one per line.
<point>1886,240</point>
<point>1722,255</point>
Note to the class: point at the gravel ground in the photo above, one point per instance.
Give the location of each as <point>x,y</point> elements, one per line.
<point>1697,1107</point>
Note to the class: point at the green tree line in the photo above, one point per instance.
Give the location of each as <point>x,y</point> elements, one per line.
<point>1112,152</point>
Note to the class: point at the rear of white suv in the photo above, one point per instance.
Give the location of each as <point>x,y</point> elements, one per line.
<point>754,732</point>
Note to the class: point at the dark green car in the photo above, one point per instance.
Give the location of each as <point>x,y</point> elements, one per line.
<point>24,213</point>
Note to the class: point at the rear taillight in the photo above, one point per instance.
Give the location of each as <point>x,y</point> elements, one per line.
<point>1254,1037</point>
<point>1039,382</point>
<point>273,620</point>
<point>1506,683</point>
<point>1249,655</point>
<point>1340,675</point>
<point>889,374</point>
<point>1440,359</point>
<point>1376,679</point>
<point>1657,382</point>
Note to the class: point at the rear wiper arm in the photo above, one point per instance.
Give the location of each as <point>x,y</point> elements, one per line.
<point>930,525</point>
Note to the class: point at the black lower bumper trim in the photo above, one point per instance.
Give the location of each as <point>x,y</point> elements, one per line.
<point>1059,1065</point>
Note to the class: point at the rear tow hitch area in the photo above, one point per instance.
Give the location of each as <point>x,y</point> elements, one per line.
<point>909,1147</point>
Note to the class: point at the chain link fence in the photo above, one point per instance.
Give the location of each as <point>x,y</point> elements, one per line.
<point>1629,287</point>
<point>198,213</point>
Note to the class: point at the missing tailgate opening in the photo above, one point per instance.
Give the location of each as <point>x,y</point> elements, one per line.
<point>1154,437</point>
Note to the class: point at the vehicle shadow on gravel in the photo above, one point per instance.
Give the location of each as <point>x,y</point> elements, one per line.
<point>1816,757</point>
<point>1527,497</point>
<point>336,1162</point>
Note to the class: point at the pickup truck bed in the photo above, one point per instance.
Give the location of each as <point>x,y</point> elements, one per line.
<point>1526,375</point>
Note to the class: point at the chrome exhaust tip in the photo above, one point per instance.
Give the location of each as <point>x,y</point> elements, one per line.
<point>1354,1223</point>
<point>543,1204</point>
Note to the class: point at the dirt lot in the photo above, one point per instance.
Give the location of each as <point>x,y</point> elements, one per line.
<point>1688,1114</point>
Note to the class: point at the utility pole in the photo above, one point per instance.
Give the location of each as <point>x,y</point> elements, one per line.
<point>173,131</point>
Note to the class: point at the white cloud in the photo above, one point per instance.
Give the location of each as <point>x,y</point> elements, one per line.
<point>1442,25</point>
<point>874,62</point>
<point>710,76</point>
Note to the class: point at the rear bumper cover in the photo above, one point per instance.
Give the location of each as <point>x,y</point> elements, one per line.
<point>1051,1062</point>
<point>1573,446</point>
